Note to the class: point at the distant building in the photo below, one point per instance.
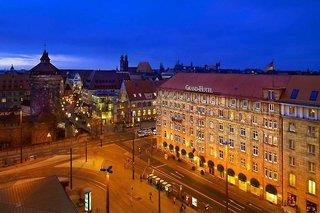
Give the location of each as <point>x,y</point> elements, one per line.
<point>14,89</point>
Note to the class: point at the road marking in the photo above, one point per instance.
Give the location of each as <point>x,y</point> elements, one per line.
<point>254,206</point>
<point>181,175</point>
<point>175,175</point>
<point>236,203</point>
<point>160,165</point>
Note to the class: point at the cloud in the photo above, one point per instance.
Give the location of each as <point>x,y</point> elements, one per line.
<point>27,61</point>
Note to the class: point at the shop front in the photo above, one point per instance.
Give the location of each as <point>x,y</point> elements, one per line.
<point>254,187</point>
<point>242,182</point>
<point>291,200</point>
<point>231,176</point>
<point>311,207</point>
<point>271,194</point>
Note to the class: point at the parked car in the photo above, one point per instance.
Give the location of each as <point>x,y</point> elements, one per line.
<point>141,133</point>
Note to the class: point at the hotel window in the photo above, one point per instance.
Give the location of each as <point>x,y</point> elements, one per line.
<point>255,135</point>
<point>275,158</point>
<point>312,113</point>
<point>231,116</point>
<point>211,112</point>
<point>243,146</point>
<point>255,150</point>
<point>243,162</point>
<point>275,175</point>
<point>245,104</point>
<point>211,125</point>
<point>292,180</point>
<point>221,154</point>
<point>254,119</point>
<point>292,110</point>
<point>311,167</point>
<point>312,131</point>
<point>231,129</point>
<point>314,95</point>
<point>292,144</point>
<point>220,126</point>
<point>311,187</point>
<point>222,101</point>
<point>144,112</point>
<point>220,113</point>
<point>257,106</point>
<point>191,131</point>
<point>292,161</point>
<point>233,102</point>
<point>271,95</point>
<point>191,119</point>
<point>292,127</point>
<point>231,143</point>
<point>311,149</point>
<point>275,124</point>
<point>211,151</point>
<point>275,141</point>
<point>154,111</point>
<point>149,112</point>
<point>211,138</point>
<point>241,117</point>
<point>271,107</point>
<point>231,158</point>
<point>255,167</point>
<point>221,140</point>
<point>243,132</point>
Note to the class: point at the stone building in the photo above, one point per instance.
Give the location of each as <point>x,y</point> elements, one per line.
<point>46,87</point>
<point>199,113</point>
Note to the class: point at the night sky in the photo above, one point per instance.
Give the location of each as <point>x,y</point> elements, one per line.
<point>94,33</point>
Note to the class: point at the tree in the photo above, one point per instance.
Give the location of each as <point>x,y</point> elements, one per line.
<point>183,152</point>
<point>242,177</point>
<point>177,149</point>
<point>210,164</point>
<point>191,155</point>
<point>230,172</point>
<point>220,168</point>
<point>165,144</point>
<point>171,147</point>
<point>254,182</point>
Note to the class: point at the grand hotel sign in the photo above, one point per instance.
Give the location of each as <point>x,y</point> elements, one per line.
<point>198,89</point>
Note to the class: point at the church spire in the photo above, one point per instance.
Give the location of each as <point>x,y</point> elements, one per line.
<point>45,57</point>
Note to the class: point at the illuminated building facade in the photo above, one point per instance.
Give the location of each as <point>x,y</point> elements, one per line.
<point>137,101</point>
<point>198,113</point>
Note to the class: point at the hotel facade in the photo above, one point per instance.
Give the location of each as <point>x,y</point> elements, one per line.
<point>259,117</point>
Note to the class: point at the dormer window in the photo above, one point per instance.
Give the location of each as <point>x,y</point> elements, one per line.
<point>134,95</point>
<point>314,95</point>
<point>294,94</point>
<point>271,95</point>
<point>140,95</point>
<point>245,104</point>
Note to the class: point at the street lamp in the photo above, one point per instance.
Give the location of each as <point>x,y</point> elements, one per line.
<point>88,125</point>
<point>226,144</point>
<point>107,170</point>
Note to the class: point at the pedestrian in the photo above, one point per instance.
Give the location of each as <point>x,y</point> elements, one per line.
<point>174,200</point>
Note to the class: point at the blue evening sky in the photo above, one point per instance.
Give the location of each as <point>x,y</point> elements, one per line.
<point>94,33</point>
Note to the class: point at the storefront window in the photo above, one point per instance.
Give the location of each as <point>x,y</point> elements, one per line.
<point>311,207</point>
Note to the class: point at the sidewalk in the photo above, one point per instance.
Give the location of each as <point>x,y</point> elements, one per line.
<point>217,183</point>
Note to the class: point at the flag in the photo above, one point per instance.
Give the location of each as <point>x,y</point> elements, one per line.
<point>270,67</point>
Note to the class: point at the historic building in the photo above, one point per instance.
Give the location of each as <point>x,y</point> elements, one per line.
<point>137,101</point>
<point>14,89</point>
<point>198,114</point>
<point>46,87</point>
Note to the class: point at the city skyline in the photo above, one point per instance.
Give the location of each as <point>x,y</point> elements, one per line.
<point>239,35</point>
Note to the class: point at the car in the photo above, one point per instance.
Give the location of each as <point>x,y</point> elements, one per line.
<point>141,133</point>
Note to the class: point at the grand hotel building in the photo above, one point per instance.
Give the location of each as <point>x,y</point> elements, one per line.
<point>271,124</point>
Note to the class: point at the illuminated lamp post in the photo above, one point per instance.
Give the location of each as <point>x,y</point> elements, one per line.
<point>107,170</point>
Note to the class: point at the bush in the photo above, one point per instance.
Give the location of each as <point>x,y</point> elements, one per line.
<point>183,152</point>
<point>191,155</point>
<point>177,149</point>
<point>202,172</point>
<point>165,144</point>
<point>210,164</point>
<point>171,147</point>
<point>193,168</point>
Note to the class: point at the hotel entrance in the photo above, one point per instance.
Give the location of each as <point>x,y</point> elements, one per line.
<point>271,194</point>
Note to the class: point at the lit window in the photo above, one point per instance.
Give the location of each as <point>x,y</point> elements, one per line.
<point>311,187</point>
<point>292,180</point>
<point>292,127</point>
<point>140,95</point>
<point>233,102</point>
<point>255,135</point>
<point>3,100</point>
<point>312,113</point>
<point>243,132</point>
<point>134,95</point>
<point>211,125</point>
<point>271,95</point>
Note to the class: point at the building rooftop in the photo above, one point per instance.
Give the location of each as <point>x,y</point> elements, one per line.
<point>141,89</point>
<point>44,67</point>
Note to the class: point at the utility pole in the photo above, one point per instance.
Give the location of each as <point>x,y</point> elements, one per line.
<point>70,167</point>
<point>133,159</point>
<point>21,136</point>
<point>107,196</point>
<point>159,208</point>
